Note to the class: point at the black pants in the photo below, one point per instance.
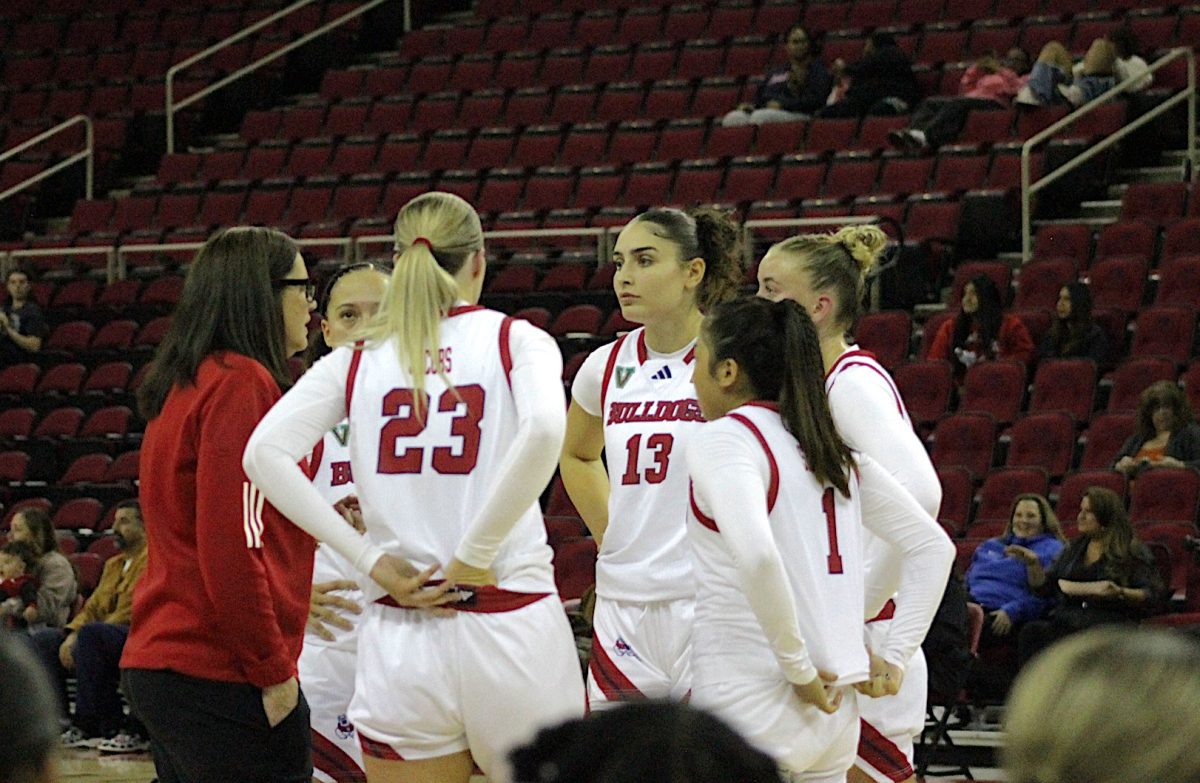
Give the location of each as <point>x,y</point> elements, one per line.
<point>942,118</point>
<point>205,731</point>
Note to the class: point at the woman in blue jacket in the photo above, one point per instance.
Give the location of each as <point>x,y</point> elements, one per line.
<point>998,576</point>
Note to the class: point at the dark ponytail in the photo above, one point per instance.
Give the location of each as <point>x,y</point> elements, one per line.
<point>775,344</point>
<point>707,233</point>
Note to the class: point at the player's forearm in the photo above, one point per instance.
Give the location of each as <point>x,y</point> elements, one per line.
<point>586,482</point>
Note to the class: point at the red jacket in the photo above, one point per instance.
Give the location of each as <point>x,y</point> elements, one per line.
<point>226,589</point>
<point>1013,341</point>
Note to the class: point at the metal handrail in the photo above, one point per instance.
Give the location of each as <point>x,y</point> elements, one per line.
<point>88,154</point>
<point>1028,188</point>
<point>602,234</point>
<point>109,252</point>
<point>172,106</point>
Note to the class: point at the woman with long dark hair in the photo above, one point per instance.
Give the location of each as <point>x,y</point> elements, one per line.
<point>826,275</point>
<point>778,503</point>
<point>1104,576</point>
<point>1167,435</point>
<point>981,331</point>
<point>633,401</point>
<point>218,615</point>
<point>1074,334</point>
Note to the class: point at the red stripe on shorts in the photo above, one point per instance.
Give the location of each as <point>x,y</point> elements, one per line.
<point>335,762</point>
<point>612,681</point>
<point>378,750</point>
<point>882,754</point>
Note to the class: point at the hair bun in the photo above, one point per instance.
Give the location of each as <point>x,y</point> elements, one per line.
<point>863,243</point>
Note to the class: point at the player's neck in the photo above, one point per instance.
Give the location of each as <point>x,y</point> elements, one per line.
<point>832,346</point>
<point>672,334</point>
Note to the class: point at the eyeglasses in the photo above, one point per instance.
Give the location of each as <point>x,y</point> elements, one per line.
<point>310,288</point>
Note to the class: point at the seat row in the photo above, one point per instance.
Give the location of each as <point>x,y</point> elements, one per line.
<point>608,26</point>
<point>974,510</point>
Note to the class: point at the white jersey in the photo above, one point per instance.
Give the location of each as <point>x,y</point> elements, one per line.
<point>785,521</point>
<point>648,407</point>
<point>333,478</point>
<point>870,415</point>
<point>462,481</point>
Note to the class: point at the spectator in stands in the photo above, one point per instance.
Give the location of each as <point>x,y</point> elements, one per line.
<point>791,93</point>
<point>1104,576</point>
<point>1074,333</point>
<point>1167,434</point>
<point>1112,705</point>
<point>22,325</point>
<point>1094,76</point>
<point>981,331</point>
<point>18,585</point>
<point>998,577</point>
<point>57,585</point>
<point>1129,63</point>
<point>1051,70</point>
<point>92,642</point>
<point>642,741</point>
<point>28,726</point>
<point>881,83</point>
<point>989,83</point>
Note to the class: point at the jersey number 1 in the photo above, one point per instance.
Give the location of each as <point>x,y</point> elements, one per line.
<point>835,557</point>
<point>464,424</point>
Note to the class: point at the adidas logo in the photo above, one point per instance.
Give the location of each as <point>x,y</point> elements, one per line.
<point>662,375</point>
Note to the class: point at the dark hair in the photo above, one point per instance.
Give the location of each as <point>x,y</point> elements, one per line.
<point>1157,394</point>
<point>133,503</point>
<point>1069,336</point>
<point>17,270</point>
<point>23,550</point>
<point>1124,40</point>
<point>39,524</point>
<point>707,233</point>
<point>985,320</point>
<point>229,303</point>
<point>28,713</point>
<point>317,347</point>
<point>1121,546</point>
<point>639,742</point>
<point>775,344</point>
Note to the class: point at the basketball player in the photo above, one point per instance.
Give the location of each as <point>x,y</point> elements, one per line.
<point>326,666</point>
<point>825,274</point>
<point>777,509</point>
<point>456,418</point>
<point>633,399</point>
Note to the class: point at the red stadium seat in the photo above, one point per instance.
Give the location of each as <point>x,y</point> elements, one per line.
<point>965,440</point>
<point>957,492</point>
<point>1165,495</point>
<point>1166,332</point>
<point>995,388</point>
<point>1042,440</point>
<point>1040,283</point>
<point>1065,385</point>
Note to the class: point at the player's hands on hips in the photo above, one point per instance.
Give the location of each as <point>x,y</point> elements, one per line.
<point>279,700</point>
<point>406,585</point>
<point>885,678</point>
<point>819,693</point>
<point>323,607</point>
<point>459,573</point>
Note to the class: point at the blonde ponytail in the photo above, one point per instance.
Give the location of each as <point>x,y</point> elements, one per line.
<point>837,263</point>
<point>435,235</point>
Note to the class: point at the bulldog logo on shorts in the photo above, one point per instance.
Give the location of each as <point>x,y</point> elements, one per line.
<point>623,649</point>
<point>345,729</point>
